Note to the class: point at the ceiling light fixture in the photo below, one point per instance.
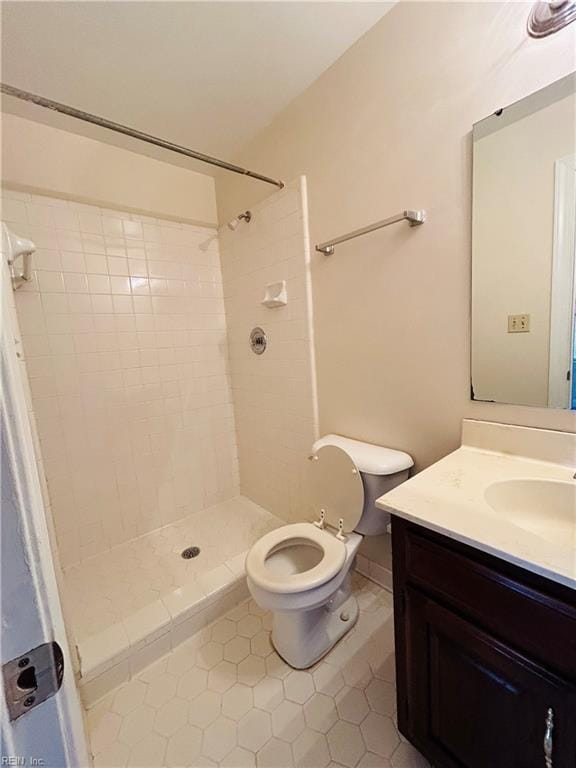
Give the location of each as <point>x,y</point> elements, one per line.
<point>550,17</point>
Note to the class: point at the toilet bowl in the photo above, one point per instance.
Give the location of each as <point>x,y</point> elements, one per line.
<point>301,572</point>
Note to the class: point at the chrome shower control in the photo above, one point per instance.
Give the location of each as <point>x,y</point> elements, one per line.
<point>258,341</point>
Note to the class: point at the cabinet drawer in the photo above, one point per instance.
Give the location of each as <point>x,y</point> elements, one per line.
<point>505,600</point>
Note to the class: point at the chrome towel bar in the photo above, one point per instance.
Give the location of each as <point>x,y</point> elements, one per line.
<point>414,219</point>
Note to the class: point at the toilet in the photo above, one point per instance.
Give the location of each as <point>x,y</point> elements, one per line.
<point>301,572</point>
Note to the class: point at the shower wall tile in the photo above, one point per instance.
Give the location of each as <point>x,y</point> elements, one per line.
<point>124,335</point>
<point>274,393</point>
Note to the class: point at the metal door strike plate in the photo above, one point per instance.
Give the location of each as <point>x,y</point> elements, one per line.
<point>32,678</point>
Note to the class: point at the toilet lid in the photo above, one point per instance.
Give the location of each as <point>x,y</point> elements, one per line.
<point>337,487</point>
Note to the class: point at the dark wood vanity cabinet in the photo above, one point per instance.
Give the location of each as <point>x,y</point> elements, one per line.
<point>485,656</point>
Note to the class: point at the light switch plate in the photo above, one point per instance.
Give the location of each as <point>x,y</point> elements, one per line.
<point>518,323</point>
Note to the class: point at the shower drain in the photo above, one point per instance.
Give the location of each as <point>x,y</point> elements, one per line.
<point>190,552</point>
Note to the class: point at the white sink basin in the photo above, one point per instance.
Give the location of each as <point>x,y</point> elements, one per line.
<point>546,508</point>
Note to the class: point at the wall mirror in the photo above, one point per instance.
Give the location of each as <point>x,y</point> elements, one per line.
<point>523,251</point>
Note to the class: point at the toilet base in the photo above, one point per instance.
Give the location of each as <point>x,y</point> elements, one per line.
<point>302,638</point>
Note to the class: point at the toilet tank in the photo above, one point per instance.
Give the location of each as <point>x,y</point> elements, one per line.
<point>381,469</point>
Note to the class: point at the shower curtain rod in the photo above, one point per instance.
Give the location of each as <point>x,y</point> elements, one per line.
<point>56,106</point>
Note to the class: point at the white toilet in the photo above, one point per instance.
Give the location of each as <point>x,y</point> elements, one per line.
<point>301,572</point>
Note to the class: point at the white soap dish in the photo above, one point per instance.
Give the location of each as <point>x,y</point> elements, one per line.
<point>275,295</point>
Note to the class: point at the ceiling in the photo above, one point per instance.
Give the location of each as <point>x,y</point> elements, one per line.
<point>208,75</point>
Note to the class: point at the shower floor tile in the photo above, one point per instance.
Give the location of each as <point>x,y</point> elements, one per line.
<point>107,588</point>
<point>222,699</point>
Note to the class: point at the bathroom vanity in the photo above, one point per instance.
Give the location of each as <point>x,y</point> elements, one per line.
<point>484,567</point>
<point>485,654</point>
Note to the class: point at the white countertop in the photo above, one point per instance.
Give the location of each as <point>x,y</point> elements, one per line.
<point>448,498</point>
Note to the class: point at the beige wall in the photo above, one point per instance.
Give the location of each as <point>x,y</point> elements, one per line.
<point>46,160</point>
<point>275,393</point>
<point>124,337</point>
<point>513,238</point>
<point>388,126</point>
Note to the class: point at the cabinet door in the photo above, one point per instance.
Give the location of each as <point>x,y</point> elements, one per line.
<point>471,701</point>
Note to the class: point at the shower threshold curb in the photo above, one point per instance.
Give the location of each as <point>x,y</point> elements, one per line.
<point>119,652</point>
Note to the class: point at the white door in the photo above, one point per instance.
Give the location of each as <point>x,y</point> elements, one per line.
<point>50,734</point>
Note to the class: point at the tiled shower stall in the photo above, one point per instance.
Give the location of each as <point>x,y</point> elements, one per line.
<point>124,333</point>
<point>158,427</point>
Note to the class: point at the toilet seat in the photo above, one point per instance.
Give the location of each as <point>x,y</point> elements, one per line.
<point>333,558</point>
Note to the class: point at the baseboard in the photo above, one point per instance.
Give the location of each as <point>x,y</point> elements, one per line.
<point>375,572</point>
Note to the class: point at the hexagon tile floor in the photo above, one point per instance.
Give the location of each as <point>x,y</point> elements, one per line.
<point>225,698</point>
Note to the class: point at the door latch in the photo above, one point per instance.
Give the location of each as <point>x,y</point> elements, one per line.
<point>32,678</point>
